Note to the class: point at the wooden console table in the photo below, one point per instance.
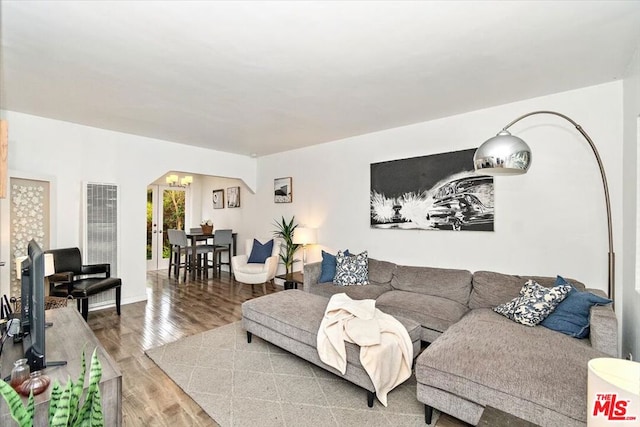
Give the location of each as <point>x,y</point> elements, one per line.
<point>65,341</point>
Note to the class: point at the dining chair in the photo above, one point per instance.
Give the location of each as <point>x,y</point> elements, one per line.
<point>179,247</point>
<point>222,241</point>
<point>205,247</point>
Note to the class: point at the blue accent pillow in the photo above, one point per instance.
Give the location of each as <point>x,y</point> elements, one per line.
<point>571,316</point>
<point>328,267</point>
<point>260,252</point>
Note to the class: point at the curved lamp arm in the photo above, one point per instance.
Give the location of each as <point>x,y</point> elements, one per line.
<point>611,259</point>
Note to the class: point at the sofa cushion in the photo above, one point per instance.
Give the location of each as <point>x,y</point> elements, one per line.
<point>371,291</point>
<point>491,289</point>
<point>432,312</point>
<point>352,269</point>
<point>534,303</point>
<point>380,271</point>
<point>485,358</point>
<point>441,282</point>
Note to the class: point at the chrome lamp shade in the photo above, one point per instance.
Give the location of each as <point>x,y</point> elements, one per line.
<point>504,154</point>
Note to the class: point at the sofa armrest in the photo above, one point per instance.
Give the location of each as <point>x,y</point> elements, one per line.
<point>271,265</point>
<point>311,275</point>
<point>239,260</point>
<point>604,329</point>
<point>61,277</point>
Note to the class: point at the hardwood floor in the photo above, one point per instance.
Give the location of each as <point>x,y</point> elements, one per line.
<point>172,311</point>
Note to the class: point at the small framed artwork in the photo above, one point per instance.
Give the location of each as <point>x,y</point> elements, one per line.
<point>282,191</point>
<point>233,197</point>
<point>218,199</point>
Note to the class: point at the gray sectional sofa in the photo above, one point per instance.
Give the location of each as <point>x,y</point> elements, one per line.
<point>476,357</point>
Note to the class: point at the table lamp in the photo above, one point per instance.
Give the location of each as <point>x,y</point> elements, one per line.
<point>304,236</point>
<point>49,269</point>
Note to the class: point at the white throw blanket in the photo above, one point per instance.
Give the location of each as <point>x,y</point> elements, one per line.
<point>386,351</point>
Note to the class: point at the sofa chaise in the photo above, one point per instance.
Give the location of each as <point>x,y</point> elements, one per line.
<point>476,357</point>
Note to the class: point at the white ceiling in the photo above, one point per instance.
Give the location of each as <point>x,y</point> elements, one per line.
<point>265,77</point>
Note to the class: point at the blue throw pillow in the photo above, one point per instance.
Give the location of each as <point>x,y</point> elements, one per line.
<point>571,316</point>
<point>260,252</point>
<point>328,267</point>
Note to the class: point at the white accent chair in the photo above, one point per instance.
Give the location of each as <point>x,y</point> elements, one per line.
<point>254,273</point>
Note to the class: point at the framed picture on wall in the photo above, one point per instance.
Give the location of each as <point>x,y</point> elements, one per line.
<point>233,197</point>
<point>218,199</point>
<point>282,191</point>
<point>433,192</point>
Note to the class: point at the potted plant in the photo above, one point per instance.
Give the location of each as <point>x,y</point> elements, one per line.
<point>284,230</point>
<point>66,406</point>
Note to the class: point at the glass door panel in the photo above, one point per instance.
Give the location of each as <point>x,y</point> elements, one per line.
<point>165,210</point>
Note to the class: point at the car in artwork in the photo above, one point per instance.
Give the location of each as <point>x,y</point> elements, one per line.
<point>463,204</point>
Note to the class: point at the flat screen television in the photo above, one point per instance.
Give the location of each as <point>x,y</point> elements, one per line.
<point>32,320</point>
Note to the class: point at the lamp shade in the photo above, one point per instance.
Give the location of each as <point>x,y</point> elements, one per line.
<point>305,236</point>
<point>613,392</point>
<point>19,260</point>
<point>49,266</point>
<point>504,154</point>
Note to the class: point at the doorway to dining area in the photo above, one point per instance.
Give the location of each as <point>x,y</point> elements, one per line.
<point>165,210</point>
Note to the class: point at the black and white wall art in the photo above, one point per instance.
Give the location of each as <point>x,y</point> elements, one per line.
<point>283,190</point>
<point>436,192</point>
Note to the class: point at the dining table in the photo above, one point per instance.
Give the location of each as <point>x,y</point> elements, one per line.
<point>199,236</point>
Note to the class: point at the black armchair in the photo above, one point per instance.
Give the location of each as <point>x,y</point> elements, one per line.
<point>79,281</point>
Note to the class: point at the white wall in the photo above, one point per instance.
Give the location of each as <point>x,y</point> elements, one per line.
<point>547,222</point>
<point>631,290</point>
<point>71,154</point>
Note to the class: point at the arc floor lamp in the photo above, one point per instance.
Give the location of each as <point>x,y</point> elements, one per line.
<point>505,154</point>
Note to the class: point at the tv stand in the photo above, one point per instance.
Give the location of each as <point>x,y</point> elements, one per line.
<point>66,340</point>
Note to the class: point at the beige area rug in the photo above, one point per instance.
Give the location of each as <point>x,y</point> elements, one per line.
<point>259,384</point>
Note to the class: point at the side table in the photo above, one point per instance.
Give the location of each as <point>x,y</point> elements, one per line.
<point>292,280</point>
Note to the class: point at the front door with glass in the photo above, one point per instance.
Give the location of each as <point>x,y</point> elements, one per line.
<point>165,210</point>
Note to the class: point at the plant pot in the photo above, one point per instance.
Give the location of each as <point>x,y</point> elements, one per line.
<point>207,229</point>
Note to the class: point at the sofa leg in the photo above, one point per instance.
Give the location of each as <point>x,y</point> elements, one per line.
<point>249,335</point>
<point>370,396</point>
<point>85,308</point>
<point>428,414</point>
<point>118,295</point>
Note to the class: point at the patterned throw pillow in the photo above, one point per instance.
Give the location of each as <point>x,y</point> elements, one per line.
<point>352,270</point>
<point>534,303</point>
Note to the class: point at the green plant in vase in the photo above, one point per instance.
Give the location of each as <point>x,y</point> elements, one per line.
<point>284,230</point>
<point>64,406</point>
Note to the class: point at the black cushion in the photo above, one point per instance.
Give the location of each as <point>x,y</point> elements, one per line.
<point>86,287</point>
